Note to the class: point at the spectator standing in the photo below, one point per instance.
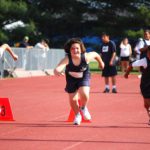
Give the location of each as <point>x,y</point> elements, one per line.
<point>43,44</point>
<point>108,54</point>
<point>125,53</point>
<point>25,43</point>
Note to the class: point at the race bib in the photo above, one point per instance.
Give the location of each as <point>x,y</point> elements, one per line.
<point>105,49</point>
<point>76,74</point>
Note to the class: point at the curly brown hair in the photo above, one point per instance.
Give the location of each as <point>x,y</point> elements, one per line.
<point>69,43</point>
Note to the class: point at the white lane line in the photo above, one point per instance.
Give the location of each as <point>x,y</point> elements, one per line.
<point>79,143</point>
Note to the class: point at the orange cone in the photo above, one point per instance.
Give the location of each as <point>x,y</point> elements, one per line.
<point>5,110</point>
<point>72,115</point>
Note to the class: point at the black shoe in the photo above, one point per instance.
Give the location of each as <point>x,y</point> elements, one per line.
<point>114,90</point>
<point>106,90</point>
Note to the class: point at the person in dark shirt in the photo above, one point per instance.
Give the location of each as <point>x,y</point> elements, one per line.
<point>77,76</point>
<point>108,54</point>
<point>145,79</point>
<point>25,43</point>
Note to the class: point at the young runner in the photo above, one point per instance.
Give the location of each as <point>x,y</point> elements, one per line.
<point>77,76</point>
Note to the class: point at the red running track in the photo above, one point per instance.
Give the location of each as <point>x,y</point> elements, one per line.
<point>40,107</point>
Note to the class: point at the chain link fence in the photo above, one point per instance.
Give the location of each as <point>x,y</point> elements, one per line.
<point>31,59</point>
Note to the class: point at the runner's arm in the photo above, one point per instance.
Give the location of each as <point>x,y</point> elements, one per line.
<point>93,55</point>
<point>60,67</point>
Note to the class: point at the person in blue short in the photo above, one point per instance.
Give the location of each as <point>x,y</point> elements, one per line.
<point>145,79</point>
<point>108,54</point>
<point>77,76</point>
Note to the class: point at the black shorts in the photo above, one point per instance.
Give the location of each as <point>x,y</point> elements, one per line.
<point>73,85</point>
<point>109,71</point>
<point>145,90</point>
<point>124,58</point>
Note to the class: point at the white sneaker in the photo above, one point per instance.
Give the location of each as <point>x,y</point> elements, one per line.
<point>77,119</point>
<point>86,113</point>
<point>139,76</point>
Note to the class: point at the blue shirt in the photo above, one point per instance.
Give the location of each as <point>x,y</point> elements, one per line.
<point>24,44</point>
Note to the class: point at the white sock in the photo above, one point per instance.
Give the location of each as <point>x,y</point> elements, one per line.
<point>107,86</point>
<point>78,114</point>
<point>114,86</point>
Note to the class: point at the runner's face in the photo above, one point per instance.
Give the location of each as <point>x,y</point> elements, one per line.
<point>75,49</point>
<point>105,38</point>
<point>125,41</point>
<point>147,35</point>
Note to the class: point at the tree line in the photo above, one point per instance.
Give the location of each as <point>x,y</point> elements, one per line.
<point>52,18</point>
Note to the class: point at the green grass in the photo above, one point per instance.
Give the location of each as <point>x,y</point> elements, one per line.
<point>95,69</point>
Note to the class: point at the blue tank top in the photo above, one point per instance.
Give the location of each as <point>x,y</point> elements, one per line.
<point>83,67</point>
